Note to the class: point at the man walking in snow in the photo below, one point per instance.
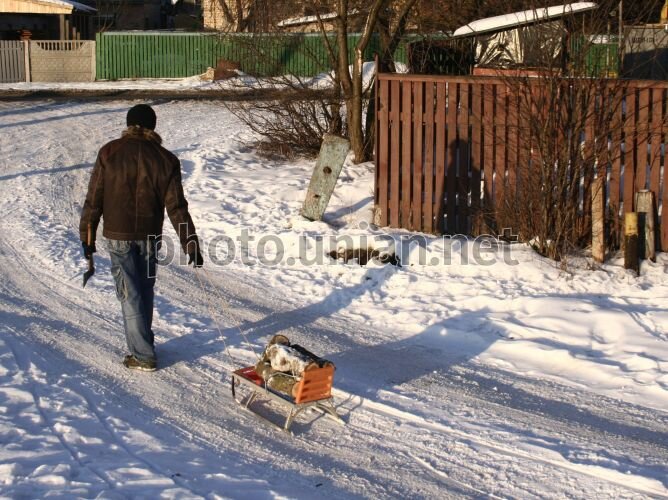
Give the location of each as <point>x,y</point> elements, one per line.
<point>133,181</point>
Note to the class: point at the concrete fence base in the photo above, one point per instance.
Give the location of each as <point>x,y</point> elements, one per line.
<point>62,61</point>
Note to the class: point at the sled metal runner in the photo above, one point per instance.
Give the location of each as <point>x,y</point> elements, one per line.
<point>314,391</point>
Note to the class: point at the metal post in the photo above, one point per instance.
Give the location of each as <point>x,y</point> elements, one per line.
<point>631,260</point>
<point>646,231</point>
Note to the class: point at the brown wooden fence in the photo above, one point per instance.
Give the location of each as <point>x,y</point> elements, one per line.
<point>450,148</point>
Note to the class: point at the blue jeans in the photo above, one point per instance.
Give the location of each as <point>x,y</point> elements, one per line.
<point>133,266</point>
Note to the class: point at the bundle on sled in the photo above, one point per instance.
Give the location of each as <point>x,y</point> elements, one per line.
<point>290,375</point>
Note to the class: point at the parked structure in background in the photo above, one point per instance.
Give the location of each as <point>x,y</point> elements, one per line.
<point>646,50</point>
<point>534,39</point>
<point>311,23</point>
<point>52,20</point>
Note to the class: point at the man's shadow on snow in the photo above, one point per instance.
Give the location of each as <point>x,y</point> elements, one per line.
<point>46,171</point>
<point>437,348</point>
<point>64,116</point>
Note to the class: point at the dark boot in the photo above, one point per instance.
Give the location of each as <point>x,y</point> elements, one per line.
<point>136,364</point>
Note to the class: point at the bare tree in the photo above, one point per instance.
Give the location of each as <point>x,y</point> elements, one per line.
<point>341,108</point>
<point>244,16</point>
<point>390,18</point>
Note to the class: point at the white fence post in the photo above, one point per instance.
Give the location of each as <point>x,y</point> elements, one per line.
<point>26,58</point>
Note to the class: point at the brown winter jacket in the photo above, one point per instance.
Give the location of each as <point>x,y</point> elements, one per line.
<point>133,181</point>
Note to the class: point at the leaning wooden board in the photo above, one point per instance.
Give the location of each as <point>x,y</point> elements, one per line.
<point>333,153</point>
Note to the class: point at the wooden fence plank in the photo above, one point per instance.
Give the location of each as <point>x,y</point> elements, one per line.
<point>512,118</point>
<point>428,209</point>
<point>488,156</point>
<point>603,138</point>
<point>108,67</point>
<point>114,54</point>
<point>656,138</point>
<point>629,149</point>
<point>418,145</point>
<point>464,146</point>
<point>590,166</point>
<point>501,144</point>
<point>475,165</point>
<point>7,60</point>
<point>453,146</point>
<point>663,200</point>
<point>406,154</point>
<point>124,54</point>
<point>5,73</point>
<point>615,155</point>
<point>382,161</point>
<point>439,174</point>
<point>642,127</point>
<point>664,211</point>
<point>395,158</point>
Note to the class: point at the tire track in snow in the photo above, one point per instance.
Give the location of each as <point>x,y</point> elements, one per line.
<point>25,366</point>
<point>119,440</point>
<point>496,447</point>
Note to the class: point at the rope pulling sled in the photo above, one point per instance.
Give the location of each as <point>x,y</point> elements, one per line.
<point>286,374</point>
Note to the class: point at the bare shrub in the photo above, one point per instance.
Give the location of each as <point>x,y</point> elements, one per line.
<point>291,125</point>
<point>293,122</point>
<point>567,123</point>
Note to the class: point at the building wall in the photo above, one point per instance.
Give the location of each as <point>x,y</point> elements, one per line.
<point>214,19</point>
<point>646,53</point>
<point>28,7</point>
<point>212,15</point>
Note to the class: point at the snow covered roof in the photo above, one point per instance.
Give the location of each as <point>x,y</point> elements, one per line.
<point>75,5</point>
<point>295,21</point>
<point>505,21</point>
<point>43,7</point>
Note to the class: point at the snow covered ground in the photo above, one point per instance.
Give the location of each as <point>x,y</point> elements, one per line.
<point>473,377</point>
<point>196,83</point>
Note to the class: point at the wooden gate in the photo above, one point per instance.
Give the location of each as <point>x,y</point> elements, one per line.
<point>448,150</point>
<point>12,62</point>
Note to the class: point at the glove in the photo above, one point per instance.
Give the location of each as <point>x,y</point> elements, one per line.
<point>195,258</point>
<point>88,250</point>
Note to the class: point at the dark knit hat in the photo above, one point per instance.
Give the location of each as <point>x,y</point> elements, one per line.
<point>142,115</point>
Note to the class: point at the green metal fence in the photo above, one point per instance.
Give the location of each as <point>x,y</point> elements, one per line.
<point>178,55</point>
<point>600,58</point>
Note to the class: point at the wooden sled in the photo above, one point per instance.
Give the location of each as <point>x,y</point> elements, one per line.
<point>314,391</point>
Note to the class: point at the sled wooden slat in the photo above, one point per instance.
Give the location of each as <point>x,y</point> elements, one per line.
<point>314,390</point>
<point>315,384</point>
